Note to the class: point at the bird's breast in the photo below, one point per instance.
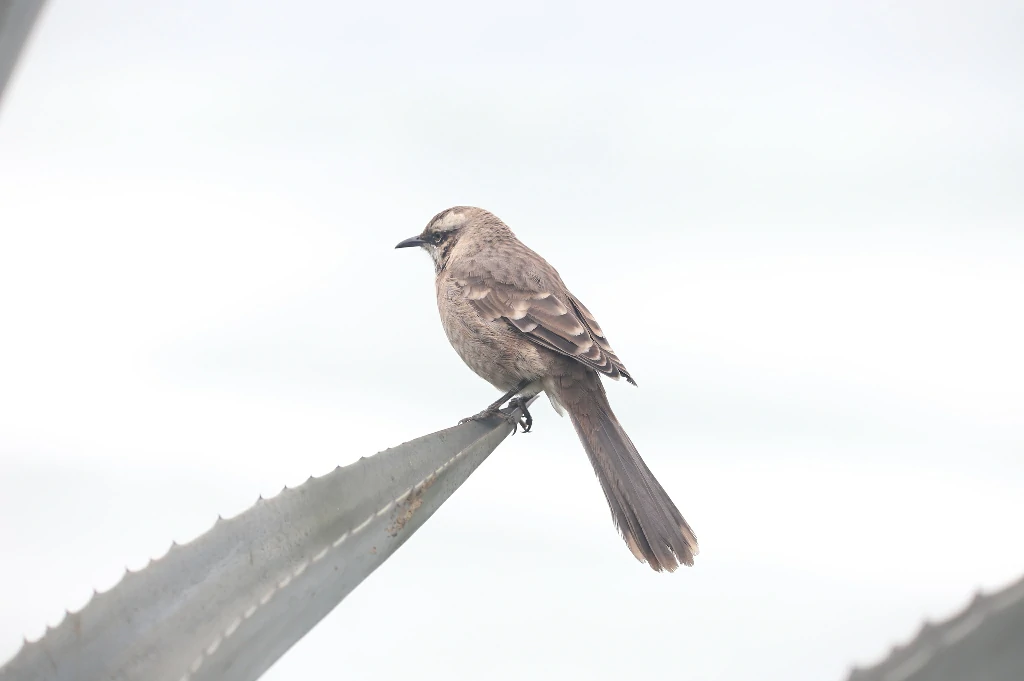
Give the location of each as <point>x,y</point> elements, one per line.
<point>491,348</point>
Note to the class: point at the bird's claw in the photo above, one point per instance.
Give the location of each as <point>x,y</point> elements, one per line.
<point>525,421</point>
<point>482,416</point>
<point>488,413</point>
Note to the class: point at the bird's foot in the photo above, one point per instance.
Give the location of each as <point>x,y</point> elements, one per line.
<point>488,413</point>
<point>526,420</point>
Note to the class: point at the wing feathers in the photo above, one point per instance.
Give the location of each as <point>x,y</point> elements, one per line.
<point>568,327</point>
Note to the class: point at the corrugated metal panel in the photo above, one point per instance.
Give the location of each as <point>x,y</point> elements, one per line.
<point>17,17</point>
<point>227,605</point>
<point>985,642</point>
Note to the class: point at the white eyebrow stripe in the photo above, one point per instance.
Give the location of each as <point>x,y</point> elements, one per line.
<point>451,220</point>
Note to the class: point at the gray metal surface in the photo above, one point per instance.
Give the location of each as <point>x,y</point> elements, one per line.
<point>985,642</point>
<point>227,605</point>
<point>17,17</point>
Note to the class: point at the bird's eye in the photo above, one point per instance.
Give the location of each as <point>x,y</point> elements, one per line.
<point>437,237</point>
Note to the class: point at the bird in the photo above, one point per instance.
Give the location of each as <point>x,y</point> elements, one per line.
<point>512,320</point>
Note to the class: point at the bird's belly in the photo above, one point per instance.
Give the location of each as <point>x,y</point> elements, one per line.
<point>491,349</point>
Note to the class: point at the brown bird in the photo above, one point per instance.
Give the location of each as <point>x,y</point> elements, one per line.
<point>512,320</point>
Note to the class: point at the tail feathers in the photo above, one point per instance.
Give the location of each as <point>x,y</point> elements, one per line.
<point>652,526</point>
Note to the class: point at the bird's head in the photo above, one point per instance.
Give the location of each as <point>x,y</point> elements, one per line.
<point>448,228</point>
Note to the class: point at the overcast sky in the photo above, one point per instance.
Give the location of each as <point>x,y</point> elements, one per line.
<point>801,225</point>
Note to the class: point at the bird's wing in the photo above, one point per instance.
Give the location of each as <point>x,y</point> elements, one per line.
<point>564,326</point>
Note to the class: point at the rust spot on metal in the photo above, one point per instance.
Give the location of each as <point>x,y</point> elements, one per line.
<point>407,509</point>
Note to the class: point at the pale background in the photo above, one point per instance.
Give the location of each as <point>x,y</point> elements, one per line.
<point>800,223</point>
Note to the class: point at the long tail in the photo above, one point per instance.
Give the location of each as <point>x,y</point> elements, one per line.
<point>652,526</point>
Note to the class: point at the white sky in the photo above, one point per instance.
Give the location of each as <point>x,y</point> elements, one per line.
<point>801,225</point>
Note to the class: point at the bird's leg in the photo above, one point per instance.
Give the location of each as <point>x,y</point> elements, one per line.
<point>494,409</point>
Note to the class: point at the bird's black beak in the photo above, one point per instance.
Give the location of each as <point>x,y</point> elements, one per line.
<point>410,242</point>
